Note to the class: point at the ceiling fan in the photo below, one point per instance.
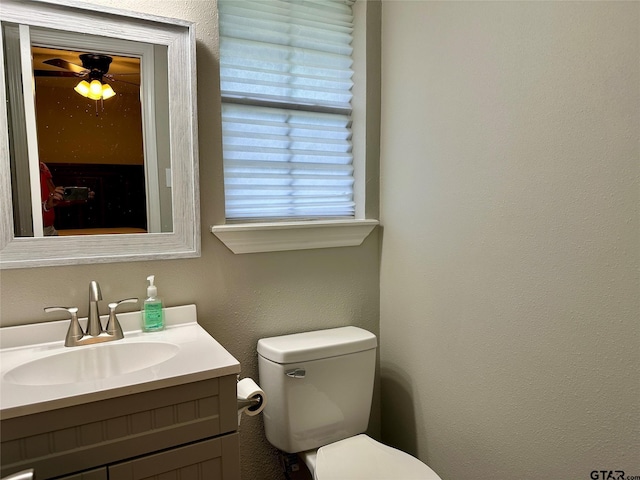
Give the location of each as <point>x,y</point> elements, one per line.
<point>94,66</point>
<point>94,69</point>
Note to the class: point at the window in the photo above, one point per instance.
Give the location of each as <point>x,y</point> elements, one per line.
<point>286,80</point>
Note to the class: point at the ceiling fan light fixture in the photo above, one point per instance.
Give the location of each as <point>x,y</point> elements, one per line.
<point>95,90</point>
<point>94,67</point>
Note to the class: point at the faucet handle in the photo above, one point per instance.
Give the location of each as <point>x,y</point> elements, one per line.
<point>126,300</point>
<point>113,325</point>
<point>73,311</point>
<point>74,333</point>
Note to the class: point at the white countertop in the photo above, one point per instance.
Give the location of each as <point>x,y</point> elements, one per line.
<point>200,357</point>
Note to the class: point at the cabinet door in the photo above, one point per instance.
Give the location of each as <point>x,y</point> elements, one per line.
<point>214,459</point>
<point>97,474</point>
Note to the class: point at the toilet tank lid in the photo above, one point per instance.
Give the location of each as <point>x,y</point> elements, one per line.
<point>307,346</point>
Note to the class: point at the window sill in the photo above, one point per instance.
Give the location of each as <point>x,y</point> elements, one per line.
<point>277,237</point>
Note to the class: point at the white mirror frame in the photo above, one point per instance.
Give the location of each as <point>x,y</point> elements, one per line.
<point>179,37</point>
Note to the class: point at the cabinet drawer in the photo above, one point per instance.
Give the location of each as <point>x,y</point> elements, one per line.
<point>214,459</point>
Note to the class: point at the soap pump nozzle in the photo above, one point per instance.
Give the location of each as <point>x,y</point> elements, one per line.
<point>152,290</point>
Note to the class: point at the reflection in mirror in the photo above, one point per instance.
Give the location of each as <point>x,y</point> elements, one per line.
<point>90,140</point>
<point>122,158</point>
<point>93,143</point>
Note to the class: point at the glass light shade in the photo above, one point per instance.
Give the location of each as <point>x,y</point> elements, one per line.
<point>107,91</point>
<point>95,90</point>
<point>82,88</point>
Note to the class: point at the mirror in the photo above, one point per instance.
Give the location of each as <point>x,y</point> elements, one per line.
<point>133,153</point>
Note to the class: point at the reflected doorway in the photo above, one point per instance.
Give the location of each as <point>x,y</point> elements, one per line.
<point>93,143</point>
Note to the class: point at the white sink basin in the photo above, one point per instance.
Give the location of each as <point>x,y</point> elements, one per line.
<point>38,373</point>
<point>90,363</point>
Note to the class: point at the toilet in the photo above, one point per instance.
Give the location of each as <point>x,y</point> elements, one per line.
<point>319,387</point>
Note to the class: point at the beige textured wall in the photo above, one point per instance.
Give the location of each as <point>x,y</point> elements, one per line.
<point>240,298</point>
<point>510,259</point>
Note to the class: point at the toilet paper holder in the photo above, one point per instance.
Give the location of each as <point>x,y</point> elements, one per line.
<point>252,403</point>
<point>250,397</point>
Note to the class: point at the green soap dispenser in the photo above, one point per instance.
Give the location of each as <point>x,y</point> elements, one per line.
<point>153,313</point>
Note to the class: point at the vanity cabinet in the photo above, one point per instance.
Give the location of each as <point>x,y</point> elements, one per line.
<point>186,431</point>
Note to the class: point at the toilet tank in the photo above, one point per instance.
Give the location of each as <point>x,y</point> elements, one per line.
<point>318,386</point>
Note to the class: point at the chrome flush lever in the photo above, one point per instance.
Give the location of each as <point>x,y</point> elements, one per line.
<point>296,373</point>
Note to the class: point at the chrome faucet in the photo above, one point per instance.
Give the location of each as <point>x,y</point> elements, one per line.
<point>94,333</point>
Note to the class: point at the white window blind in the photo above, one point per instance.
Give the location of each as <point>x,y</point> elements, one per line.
<point>285,75</point>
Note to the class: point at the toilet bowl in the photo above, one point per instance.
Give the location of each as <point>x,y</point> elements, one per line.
<point>363,458</point>
<point>320,387</point>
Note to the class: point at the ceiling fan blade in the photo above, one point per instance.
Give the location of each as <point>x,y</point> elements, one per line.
<point>60,63</point>
<point>53,73</point>
<point>113,79</point>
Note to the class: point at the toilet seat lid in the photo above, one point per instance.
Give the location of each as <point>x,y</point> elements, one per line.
<point>363,458</point>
